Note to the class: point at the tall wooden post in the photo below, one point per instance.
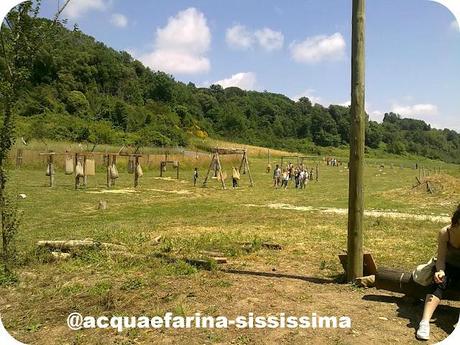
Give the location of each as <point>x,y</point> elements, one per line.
<point>356,197</point>
<point>114,162</point>
<point>77,178</point>
<point>51,169</point>
<point>213,160</point>
<point>85,177</point>
<point>19,155</point>
<point>108,164</point>
<point>219,167</point>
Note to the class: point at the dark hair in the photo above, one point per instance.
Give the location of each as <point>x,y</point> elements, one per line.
<point>456,217</point>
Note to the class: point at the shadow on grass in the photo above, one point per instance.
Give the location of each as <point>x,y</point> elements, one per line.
<point>284,275</point>
<point>445,316</point>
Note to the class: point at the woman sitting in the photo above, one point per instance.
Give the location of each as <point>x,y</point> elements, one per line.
<point>447,271</point>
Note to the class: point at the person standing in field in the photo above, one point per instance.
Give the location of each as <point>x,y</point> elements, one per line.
<point>277,176</point>
<point>302,179</point>
<point>447,271</point>
<point>305,179</point>
<point>195,177</point>
<point>297,177</point>
<point>285,181</point>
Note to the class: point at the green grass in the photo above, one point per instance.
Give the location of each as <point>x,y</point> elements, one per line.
<point>191,220</point>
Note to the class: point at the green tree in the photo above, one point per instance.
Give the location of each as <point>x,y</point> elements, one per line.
<point>23,39</point>
<point>77,104</point>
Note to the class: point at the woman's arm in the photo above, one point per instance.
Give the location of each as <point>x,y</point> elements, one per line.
<point>443,238</point>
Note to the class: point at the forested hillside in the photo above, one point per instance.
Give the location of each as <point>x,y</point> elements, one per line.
<point>82,90</point>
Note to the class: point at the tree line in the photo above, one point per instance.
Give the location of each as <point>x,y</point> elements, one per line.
<point>78,89</point>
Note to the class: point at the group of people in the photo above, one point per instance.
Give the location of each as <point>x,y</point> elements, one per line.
<point>330,161</point>
<point>299,175</point>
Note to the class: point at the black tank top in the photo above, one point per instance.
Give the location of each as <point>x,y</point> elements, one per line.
<point>453,253</point>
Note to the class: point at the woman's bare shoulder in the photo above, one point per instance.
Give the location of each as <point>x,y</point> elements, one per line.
<point>444,232</point>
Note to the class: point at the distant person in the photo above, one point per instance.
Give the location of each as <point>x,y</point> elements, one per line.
<point>277,176</point>
<point>306,177</point>
<point>285,181</point>
<point>302,179</point>
<point>447,271</point>
<point>290,170</point>
<point>297,178</point>
<point>195,177</point>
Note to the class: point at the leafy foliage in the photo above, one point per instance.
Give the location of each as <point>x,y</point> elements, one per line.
<point>79,89</point>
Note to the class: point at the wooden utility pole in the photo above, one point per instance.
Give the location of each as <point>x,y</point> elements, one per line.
<point>356,197</point>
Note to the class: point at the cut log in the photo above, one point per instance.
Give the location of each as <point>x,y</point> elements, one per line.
<point>218,257</point>
<point>402,282</point>
<point>219,260</point>
<point>212,253</point>
<point>71,245</point>
<point>60,255</point>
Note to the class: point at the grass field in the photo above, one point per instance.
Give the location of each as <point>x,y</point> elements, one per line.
<point>400,231</point>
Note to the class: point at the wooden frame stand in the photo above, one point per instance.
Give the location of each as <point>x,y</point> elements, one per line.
<point>217,166</point>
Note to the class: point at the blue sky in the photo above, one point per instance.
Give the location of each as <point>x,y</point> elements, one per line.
<point>295,47</point>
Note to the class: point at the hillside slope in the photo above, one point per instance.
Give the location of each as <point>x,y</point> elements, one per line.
<point>81,90</point>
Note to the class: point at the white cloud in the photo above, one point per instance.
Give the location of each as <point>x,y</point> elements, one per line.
<point>455,25</point>
<point>239,37</point>
<point>310,94</point>
<point>181,46</point>
<point>376,115</point>
<point>77,8</point>
<point>244,80</point>
<point>119,20</point>
<point>419,110</point>
<point>269,39</point>
<point>319,48</point>
<point>345,104</point>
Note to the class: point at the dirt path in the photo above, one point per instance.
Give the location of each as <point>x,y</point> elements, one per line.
<point>443,218</point>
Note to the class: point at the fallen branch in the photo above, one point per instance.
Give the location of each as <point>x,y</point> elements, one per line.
<point>204,263</point>
<point>72,245</point>
<point>266,245</point>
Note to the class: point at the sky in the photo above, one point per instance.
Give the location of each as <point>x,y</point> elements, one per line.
<point>296,47</point>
